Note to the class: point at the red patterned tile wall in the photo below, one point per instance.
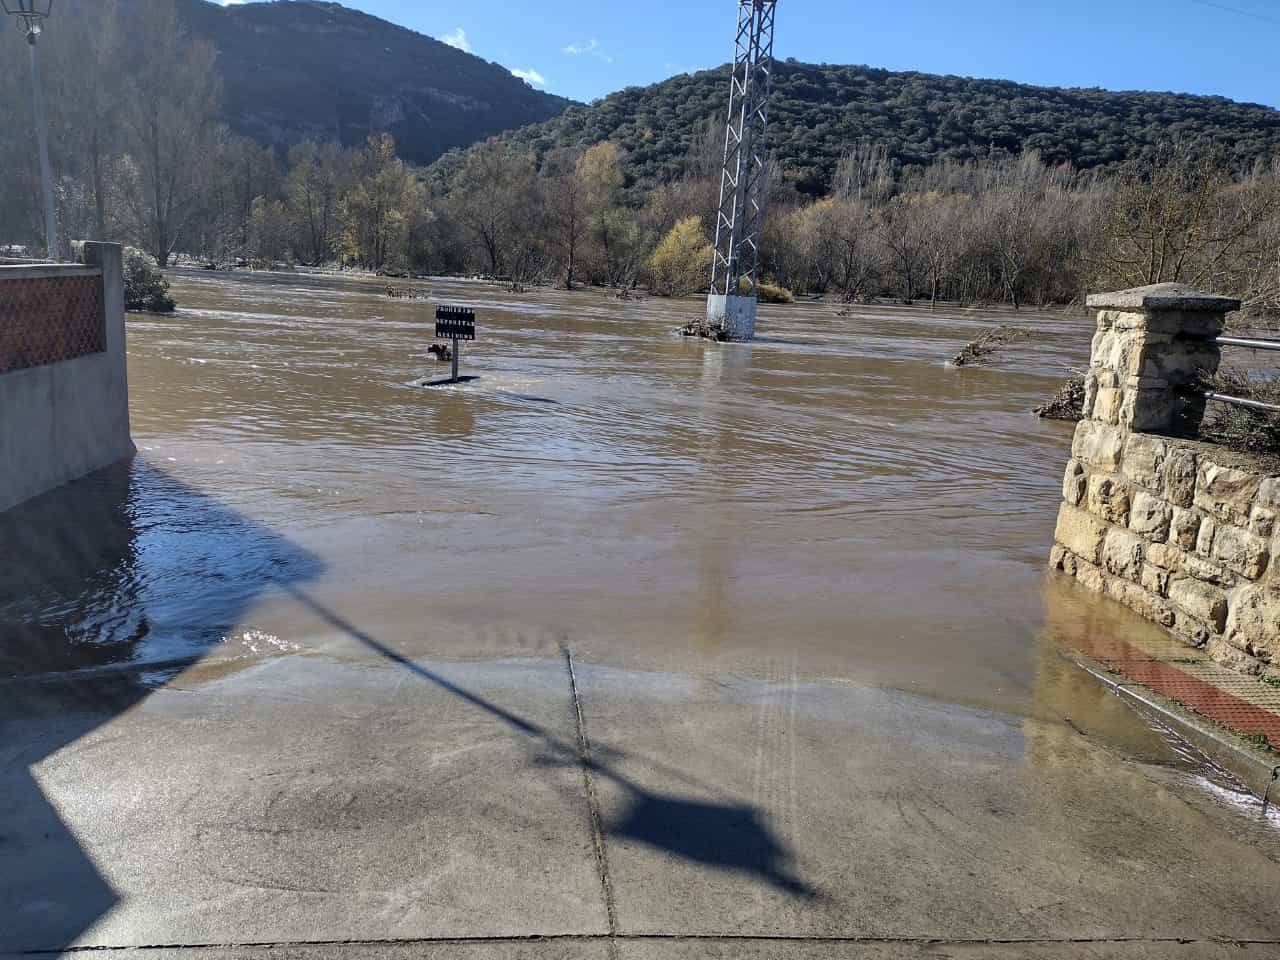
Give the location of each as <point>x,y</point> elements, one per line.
<point>49,319</point>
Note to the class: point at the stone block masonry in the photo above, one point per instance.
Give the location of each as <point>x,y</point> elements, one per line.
<point>1184,533</point>
<point>64,397</point>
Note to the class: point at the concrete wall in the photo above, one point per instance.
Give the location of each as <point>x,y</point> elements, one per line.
<point>62,420</point>
<point>1185,533</point>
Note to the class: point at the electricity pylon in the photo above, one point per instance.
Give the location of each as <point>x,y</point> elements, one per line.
<point>731,305</point>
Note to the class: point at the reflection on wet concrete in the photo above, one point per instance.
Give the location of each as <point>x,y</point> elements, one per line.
<point>129,565</point>
<point>1069,699</point>
<point>126,566</point>
<point>69,587</point>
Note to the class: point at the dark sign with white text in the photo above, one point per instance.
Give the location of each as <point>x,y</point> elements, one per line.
<point>455,323</point>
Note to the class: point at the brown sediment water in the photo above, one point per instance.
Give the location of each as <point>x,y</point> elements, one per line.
<point>830,500</point>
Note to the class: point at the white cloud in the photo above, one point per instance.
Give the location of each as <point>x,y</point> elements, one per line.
<point>591,47</point>
<point>530,76</point>
<point>458,39</point>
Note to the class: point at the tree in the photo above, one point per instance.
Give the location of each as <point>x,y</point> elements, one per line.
<point>172,100</point>
<point>938,217</point>
<point>611,229</point>
<point>376,209</point>
<point>900,231</point>
<point>269,231</point>
<point>95,102</point>
<point>1176,217</point>
<point>489,196</point>
<point>145,287</point>
<point>1013,210</point>
<point>681,265</point>
<point>566,210</point>
<point>314,186</point>
<point>846,233</point>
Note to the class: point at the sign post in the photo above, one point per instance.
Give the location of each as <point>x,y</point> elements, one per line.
<point>456,324</point>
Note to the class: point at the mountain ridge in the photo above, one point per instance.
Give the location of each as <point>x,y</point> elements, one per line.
<point>278,63</point>
<point>819,110</point>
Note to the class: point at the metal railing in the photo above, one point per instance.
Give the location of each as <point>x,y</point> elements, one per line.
<point>1251,344</point>
<point>1248,342</point>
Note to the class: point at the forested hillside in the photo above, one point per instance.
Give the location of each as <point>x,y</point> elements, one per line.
<point>887,185</point>
<point>818,111</point>
<point>320,71</point>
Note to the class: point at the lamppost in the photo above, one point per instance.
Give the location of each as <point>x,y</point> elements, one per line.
<point>31,15</point>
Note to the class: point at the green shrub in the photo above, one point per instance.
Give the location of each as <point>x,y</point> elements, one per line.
<point>772,293</point>
<point>682,263</point>
<point>145,287</point>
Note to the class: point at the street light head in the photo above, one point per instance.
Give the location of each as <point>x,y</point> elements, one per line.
<point>27,8</point>
<point>30,13</point>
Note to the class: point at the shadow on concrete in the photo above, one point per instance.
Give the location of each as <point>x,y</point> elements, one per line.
<point>101,583</point>
<point>720,835</point>
<point>125,578</point>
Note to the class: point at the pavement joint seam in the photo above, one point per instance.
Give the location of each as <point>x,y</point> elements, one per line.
<point>588,778</point>
<point>658,938</point>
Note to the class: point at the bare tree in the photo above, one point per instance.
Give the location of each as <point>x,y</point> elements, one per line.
<point>566,210</point>
<point>900,231</point>
<point>169,113</point>
<point>1178,216</point>
<point>315,186</point>
<point>489,196</point>
<point>938,217</point>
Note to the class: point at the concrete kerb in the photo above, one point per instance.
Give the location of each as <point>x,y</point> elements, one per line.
<point>1254,769</point>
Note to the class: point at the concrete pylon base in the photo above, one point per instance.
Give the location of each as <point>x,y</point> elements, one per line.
<point>736,316</point>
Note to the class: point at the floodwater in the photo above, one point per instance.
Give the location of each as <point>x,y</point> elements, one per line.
<point>833,493</point>
<point>341,657</point>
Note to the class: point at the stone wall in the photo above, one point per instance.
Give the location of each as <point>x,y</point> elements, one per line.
<point>1184,533</point>
<point>64,396</point>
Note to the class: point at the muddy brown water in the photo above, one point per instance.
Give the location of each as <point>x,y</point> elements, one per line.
<point>738,544</point>
<point>831,497</point>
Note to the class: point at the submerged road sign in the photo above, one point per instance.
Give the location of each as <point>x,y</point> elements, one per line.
<point>456,324</point>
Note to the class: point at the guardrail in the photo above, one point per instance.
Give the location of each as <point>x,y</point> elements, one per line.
<point>1251,344</point>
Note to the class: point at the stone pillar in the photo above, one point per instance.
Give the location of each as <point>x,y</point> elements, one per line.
<point>1184,533</point>
<point>1153,343</point>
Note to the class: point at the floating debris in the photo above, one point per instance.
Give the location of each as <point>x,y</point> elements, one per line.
<point>404,293</point>
<point>978,351</point>
<point>1068,404</point>
<point>704,328</point>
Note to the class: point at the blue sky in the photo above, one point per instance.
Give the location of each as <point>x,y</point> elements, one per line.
<point>585,50</point>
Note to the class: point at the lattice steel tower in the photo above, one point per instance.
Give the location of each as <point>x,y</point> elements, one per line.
<point>731,306</point>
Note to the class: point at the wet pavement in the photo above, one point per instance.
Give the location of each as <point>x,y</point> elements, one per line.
<point>628,641</point>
